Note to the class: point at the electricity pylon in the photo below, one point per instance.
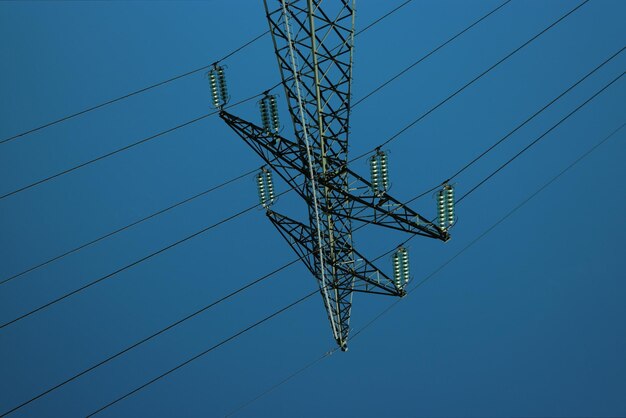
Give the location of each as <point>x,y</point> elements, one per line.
<point>314,47</point>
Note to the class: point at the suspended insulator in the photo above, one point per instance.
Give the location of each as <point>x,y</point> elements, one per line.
<point>217,80</point>
<point>214,92</point>
<point>384,173</point>
<point>274,113</point>
<point>374,174</point>
<point>405,265</point>
<point>265,117</point>
<point>222,85</point>
<point>441,208</point>
<point>450,204</point>
<point>401,267</point>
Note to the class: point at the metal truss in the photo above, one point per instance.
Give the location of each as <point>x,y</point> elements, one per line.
<point>314,46</point>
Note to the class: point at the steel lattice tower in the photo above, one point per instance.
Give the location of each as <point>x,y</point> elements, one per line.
<point>313,42</point>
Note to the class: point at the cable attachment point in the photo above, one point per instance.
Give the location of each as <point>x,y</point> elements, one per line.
<point>445,206</point>
<point>265,186</point>
<point>219,89</point>
<point>401,273</point>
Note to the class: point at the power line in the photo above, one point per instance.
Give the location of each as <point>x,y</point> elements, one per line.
<point>282,382</point>
<point>126,267</point>
<point>510,160</point>
<point>130,225</point>
<point>151,336</point>
<point>389,13</point>
<point>133,93</point>
<point>518,127</point>
<point>469,164</point>
<point>430,53</point>
<point>596,94</point>
<point>436,271</point>
<point>197,356</point>
<point>424,115</point>
<point>124,148</point>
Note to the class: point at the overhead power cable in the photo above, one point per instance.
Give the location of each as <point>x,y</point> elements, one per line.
<point>130,225</point>
<point>510,160</point>
<point>127,147</point>
<point>531,144</point>
<point>133,93</point>
<point>151,336</point>
<point>481,155</point>
<point>128,266</point>
<point>169,80</point>
<point>197,356</point>
<point>434,272</point>
<point>518,127</point>
<point>405,70</point>
<point>478,77</point>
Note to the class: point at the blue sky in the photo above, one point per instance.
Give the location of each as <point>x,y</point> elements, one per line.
<point>528,322</point>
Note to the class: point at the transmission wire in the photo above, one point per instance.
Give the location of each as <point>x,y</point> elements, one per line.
<point>125,96</point>
<point>510,160</point>
<point>151,336</point>
<point>197,356</point>
<point>126,147</point>
<point>510,133</point>
<point>405,70</point>
<point>424,115</point>
<point>134,263</point>
<point>137,222</point>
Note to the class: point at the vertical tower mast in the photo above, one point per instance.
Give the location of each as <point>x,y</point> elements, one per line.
<point>314,54</point>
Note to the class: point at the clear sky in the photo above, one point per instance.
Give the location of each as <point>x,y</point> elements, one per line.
<point>527,322</point>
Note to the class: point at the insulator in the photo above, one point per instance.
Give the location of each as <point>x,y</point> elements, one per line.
<point>221,78</point>
<point>214,92</point>
<point>270,186</point>
<point>383,171</point>
<point>450,202</point>
<point>261,188</point>
<point>374,174</point>
<point>274,113</point>
<point>265,117</point>
<point>405,265</point>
